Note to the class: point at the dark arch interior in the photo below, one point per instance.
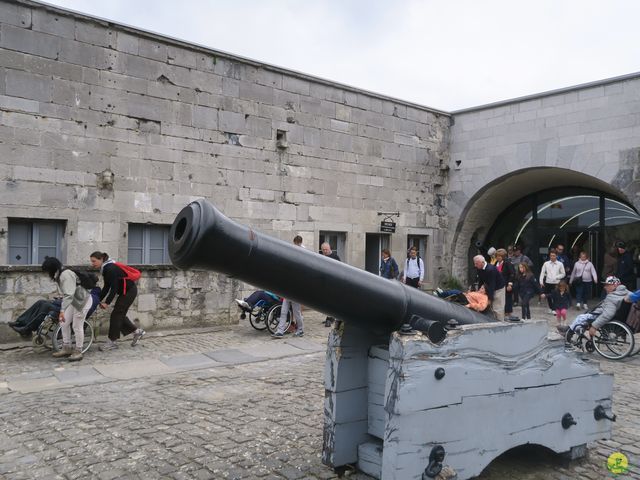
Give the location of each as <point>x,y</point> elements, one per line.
<point>520,461</point>
<point>581,219</point>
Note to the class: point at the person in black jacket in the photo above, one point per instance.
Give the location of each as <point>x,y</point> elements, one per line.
<point>625,268</point>
<point>126,290</point>
<point>493,282</point>
<point>505,267</point>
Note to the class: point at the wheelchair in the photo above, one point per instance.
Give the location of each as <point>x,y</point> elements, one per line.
<point>614,340</point>
<point>266,315</point>
<point>49,335</point>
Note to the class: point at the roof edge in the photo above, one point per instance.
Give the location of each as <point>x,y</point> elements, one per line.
<point>548,93</point>
<point>223,54</point>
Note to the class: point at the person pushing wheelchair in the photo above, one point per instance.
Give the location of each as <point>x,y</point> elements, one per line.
<point>602,313</point>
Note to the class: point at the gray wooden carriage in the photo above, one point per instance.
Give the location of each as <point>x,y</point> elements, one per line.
<point>483,390</point>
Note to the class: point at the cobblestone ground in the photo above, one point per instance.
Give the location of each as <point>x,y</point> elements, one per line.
<point>251,420</point>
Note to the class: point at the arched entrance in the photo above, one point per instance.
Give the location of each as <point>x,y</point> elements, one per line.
<point>532,205</point>
<point>580,219</point>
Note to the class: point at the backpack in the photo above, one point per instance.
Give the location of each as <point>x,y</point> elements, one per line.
<point>85,279</point>
<point>130,273</point>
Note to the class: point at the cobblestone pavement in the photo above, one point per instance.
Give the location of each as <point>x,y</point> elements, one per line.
<point>217,404</point>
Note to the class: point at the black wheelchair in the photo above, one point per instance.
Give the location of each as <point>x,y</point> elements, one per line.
<point>614,340</point>
<point>265,315</point>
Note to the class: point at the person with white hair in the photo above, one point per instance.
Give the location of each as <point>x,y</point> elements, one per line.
<point>493,282</point>
<point>492,255</point>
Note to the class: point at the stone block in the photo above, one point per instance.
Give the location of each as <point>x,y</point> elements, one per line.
<point>231,122</point>
<point>127,43</point>
<point>153,49</point>
<point>48,22</point>
<point>29,41</point>
<point>15,14</point>
<point>19,104</point>
<point>89,231</point>
<point>255,92</point>
<point>95,34</point>
<point>146,302</point>
<point>259,127</point>
<point>205,117</point>
<point>181,56</point>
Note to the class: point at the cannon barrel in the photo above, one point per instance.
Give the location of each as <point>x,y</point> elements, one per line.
<point>202,237</point>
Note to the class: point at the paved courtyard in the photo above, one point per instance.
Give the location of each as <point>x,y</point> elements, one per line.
<point>209,404</point>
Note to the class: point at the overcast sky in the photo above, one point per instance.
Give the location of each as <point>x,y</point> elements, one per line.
<point>447,54</point>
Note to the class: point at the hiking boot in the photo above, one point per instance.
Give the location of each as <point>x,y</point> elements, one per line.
<point>108,346</point>
<point>137,336</point>
<point>63,352</point>
<point>76,356</point>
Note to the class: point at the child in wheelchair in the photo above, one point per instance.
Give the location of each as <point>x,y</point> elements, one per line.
<point>601,314</point>
<point>475,300</point>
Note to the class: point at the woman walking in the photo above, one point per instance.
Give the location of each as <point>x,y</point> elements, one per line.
<point>388,265</point>
<point>76,302</point>
<point>116,283</point>
<point>583,277</point>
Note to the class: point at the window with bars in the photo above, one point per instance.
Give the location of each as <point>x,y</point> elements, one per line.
<point>148,244</point>
<point>30,241</point>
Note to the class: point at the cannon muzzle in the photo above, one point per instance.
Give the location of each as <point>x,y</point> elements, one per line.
<point>202,237</point>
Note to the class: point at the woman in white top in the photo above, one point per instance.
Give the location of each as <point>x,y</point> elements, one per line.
<point>583,276</point>
<point>76,302</point>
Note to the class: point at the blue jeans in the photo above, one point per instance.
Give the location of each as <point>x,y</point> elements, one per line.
<point>583,292</point>
<point>582,320</point>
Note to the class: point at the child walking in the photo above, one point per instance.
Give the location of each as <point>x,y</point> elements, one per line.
<point>528,287</point>
<point>561,301</point>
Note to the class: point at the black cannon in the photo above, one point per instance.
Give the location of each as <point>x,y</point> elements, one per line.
<point>405,406</point>
<point>202,237</point>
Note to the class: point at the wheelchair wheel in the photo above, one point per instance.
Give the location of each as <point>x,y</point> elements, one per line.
<point>259,320</point>
<point>42,337</point>
<point>56,337</point>
<point>615,340</point>
<point>273,317</point>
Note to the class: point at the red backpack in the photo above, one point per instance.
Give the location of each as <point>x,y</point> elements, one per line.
<point>130,273</point>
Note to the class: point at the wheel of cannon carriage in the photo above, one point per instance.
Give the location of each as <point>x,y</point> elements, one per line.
<point>56,337</point>
<point>615,340</point>
<point>273,316</point>
<point>259,320</point>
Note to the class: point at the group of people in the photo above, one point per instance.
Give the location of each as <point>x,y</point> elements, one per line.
<point>78,303</point>
<point>509,280</point>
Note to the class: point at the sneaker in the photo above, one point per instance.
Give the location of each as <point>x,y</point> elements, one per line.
<point>578,306</point>
<point>439,290</point>
<point>585,306</point>
<point>64,352</point>
<point>243,305</point>
<point>551,312</point>
<point>277,335</point>
<point>298,334</point>
<point>109,345</point>
<point>137,336</point>
<point>76,356</point>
